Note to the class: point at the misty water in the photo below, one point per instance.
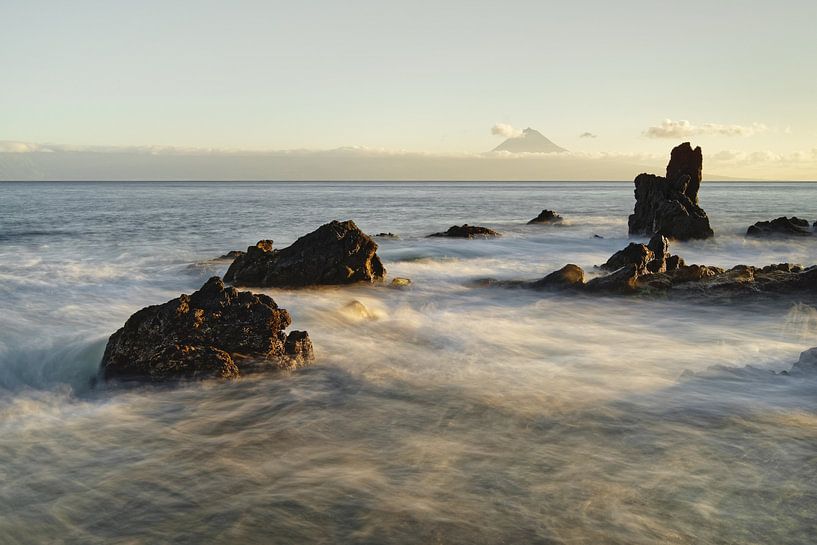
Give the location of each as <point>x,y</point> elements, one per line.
<point>448,412</point>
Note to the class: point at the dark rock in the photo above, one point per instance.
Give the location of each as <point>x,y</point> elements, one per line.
<point>634,254</point>
<point>624,280</point>
<point>467,231</point>
<point>669,205</point>
<point>232,254</point>
<point>546,216</point>
<point>336,253</point>
<point>807,362</point>
<point>569,276</point>
<point>387,235</point>
<point>651,257</point>
<point>597,236</point>
<point>674,262</point>
<point>781,226</point>
<point>214,332</point>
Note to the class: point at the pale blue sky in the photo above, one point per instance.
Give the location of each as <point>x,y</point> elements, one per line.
<point>419,76</point>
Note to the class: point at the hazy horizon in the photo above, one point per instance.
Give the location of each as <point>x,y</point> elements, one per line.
<point>90,81</point>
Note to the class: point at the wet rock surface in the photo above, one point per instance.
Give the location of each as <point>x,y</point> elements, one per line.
<point>781,227</point>
<point>568,276</point>
<point>651,257</point>
<point>467,231</point>
<point>669,205</point>
<point>215,332</point>
<point>547,216</point>
<point>335,253</point>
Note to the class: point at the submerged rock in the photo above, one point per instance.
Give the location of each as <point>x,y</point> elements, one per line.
<point>669,205</point>
<point>215,332</point>
<point>467,231</point>
<point>387,235</point>
<point>400,282</point>
<point>232,254</point>
<point>781,226</point>
<point>335,253</point>
<point>547,216</point>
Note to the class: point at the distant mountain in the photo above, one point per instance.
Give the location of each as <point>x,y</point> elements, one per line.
<point>530,141</point>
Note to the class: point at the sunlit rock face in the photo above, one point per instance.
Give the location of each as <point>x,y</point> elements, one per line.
<point>335,253</point>
<point>216,332</point>
<point>669,205</point>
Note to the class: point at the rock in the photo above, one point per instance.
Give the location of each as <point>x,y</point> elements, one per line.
<point>546,216</point>
<point>624,280</point>
<point>387,235</point>
<point>467,231</point>
<point>634,254</point>
<point>232,254</point>
<point>569,276</point>
<point>400,282</point>
<point>335,253</point>
<point>356,311</point>
<point>781,226</point>
<point>669,205</point>
<point>652,257</point>
<point>215,332</point>
<point>597,236</point>
<point>807,362</point>
<point>249,262</point>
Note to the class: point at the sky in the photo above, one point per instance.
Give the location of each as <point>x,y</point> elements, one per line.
<point>626,79</point>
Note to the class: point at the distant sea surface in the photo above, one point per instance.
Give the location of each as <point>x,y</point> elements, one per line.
<point>451,412</point>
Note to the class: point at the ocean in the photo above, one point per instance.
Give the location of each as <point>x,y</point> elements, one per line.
<point>454,411</point>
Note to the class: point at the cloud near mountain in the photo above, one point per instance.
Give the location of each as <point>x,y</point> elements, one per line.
<point>685,129</point>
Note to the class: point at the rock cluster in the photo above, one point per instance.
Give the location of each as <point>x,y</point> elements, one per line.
<point>215,332</point>
<point>335,253</point>
<point>650,268</point>
<point>467,231</point>
<point>669,205</point>
<point>547,216</point>
<point>781,226</point>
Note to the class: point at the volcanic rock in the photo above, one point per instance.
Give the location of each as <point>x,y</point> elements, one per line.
<point>215,332</point>
<point>781,226</point>
<point>467,231</point>
<point>546,216</point>
<point>335,253</point>
<point>652,257</point>
<point>669,205</point>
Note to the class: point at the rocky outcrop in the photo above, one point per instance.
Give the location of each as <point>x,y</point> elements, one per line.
<point>781,227</point>
<point>807,362</point>
<point>650,268</point>
<point>336,253</point>
<point>669,205</point>
<point>467,231</point>
<point>215,332</point>
<point>547,216</point>
<point>653,257</point>
<point>232,254</point>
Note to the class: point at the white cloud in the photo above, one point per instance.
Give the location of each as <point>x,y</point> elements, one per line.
<point>503,129</point>
<point>683,129</point>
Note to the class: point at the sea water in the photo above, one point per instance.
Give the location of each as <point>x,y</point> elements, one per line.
<point>454,411</point>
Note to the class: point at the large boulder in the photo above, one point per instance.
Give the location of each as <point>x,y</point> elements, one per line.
<point>215,332</point>
<point>467,231</point>
<point>781,226</point>
<point>569,276</point>
<point>336,253</point>
<point>669,205</point>
<point>546,216</point>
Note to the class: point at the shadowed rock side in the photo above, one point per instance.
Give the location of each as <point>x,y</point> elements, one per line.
<point>467,231</point>
<point>669,205</point>
<point>335,253</point>
<point>649,268</point>
<point>546,216</point>
<point>781,227</point>
<point>216,332</point>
